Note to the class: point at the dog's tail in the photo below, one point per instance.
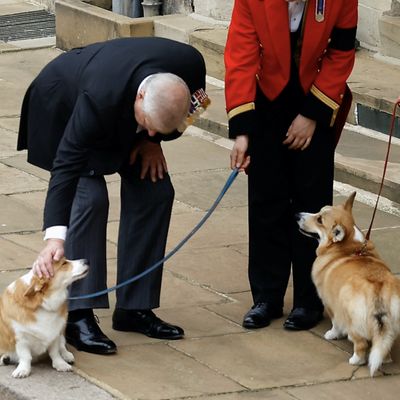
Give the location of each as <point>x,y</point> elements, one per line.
<point>386,319</point>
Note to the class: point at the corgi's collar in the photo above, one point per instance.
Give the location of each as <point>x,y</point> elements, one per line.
<point>362,251</point>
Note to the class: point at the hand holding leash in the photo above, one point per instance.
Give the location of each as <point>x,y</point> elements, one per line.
<point>239,157</point>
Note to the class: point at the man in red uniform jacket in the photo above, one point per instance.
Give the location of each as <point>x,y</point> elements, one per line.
<point>287,63</point>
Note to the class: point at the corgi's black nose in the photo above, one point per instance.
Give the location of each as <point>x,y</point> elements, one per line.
<point>297,216</point>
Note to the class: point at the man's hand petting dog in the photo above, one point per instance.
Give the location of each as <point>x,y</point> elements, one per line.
<point>53,251</point>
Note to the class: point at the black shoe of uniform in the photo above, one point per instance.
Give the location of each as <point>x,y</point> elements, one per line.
<point>85,335</point>
<point>301,319</point>
<point>146,322</point>
<point>260,315</point>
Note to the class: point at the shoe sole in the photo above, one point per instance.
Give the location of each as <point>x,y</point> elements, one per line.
<point>122,328</point>
<point>86,350</point>
<point>255,326</point>
<point>300,328</point>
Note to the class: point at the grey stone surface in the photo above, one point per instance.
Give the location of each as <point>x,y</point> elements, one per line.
<point>50,384</point>
<point>205,286</point>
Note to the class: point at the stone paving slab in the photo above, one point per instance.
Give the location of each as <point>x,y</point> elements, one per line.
<point>34,200</point>
<point>19,161</point>
<point>202,188</point>
<point>15,80</point>
<point>13,180</point>
<point>10,124</point>
<point>221,269</point>
<point>387,243</point>
<point>155,371</point>
<point>366,389</point>
<point>187,155</point>
<point>45,382</point>
<point>6,277</point>
<point>252,359</point>
<point>8,143</point>
<point>256,395</point>
<point>13,256</point>
<point>16,216</point>
<point>227,226</point>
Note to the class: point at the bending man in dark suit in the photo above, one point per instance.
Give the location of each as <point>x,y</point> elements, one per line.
<point>95,111</point>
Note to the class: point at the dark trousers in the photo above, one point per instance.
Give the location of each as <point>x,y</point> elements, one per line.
<point>283,182</point>
<point>144,222</point>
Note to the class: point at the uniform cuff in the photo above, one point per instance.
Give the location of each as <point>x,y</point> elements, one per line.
<point>242,124</point>
<point>319,107</point>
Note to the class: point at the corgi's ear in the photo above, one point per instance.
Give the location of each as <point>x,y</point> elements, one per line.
<point>350,201</point>
<point>36,285</point>
<point>338,233</point>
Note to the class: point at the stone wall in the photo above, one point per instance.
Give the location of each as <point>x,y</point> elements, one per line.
<point>177,7</point>
<point>370,11</point>
<point>217,9</point>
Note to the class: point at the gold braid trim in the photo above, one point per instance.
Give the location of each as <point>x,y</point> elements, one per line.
<point>326,100</point>
<point>241,109</point>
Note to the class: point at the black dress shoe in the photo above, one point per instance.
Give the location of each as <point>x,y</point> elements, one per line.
<point>146,322</point>
<point>302,319</point>
<point>260,315</point>
<point>86,335</point>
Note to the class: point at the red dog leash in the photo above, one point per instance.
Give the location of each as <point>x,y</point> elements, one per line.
<point>397,104</point>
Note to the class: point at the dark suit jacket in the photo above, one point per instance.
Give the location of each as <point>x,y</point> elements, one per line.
<point>77,116</point>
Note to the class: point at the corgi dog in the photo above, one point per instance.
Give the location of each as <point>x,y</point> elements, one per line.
<point>360,294</point>
<point>33,314</point>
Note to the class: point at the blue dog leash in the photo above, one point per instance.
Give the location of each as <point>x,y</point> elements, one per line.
<point>227,185</point>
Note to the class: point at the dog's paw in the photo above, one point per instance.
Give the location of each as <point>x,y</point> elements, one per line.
<point>332,334</point>
<point>62,366</point>
<point>21,372</point>
<point>356,360</point>
<point>68,357</point>
<point>5,360</point>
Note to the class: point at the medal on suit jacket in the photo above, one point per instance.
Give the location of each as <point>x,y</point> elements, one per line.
<point>199,101</point>
<point>319,10</point>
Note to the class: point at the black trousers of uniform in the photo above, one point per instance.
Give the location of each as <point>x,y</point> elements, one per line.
<point>283,182</point>
<point>144,222</point>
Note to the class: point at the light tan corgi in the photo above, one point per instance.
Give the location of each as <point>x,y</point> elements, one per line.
<point>360,294</point>
<point>33,314</point>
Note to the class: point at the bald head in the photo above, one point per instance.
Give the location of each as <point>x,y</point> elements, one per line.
<point>163,102</point>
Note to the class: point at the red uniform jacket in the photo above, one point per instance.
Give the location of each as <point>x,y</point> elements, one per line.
<point>258,51</point>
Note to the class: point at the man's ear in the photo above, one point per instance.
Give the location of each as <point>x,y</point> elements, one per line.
<point>140,94</point>
<point>338,233</point>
